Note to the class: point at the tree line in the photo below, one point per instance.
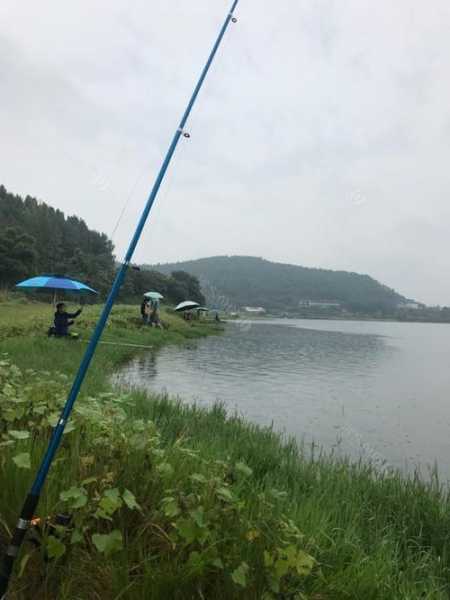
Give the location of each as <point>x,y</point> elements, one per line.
<point>37,239</point>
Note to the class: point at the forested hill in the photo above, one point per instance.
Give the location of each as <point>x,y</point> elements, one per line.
<point>37,239</point>
<point>249,281</point>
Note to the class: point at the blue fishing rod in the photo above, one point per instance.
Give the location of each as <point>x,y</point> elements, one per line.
<point>33,496</point>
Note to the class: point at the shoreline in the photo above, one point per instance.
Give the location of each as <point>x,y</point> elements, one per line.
<point>164,494</point>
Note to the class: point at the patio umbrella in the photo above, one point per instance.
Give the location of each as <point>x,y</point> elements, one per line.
<point>203,309</point>
<point>54,283</point>
<point>154,295</point>
<point>186,305</point>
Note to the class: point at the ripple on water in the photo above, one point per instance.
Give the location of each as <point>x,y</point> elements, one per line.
<point>381,386</point>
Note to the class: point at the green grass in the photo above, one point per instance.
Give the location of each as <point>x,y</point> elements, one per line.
<point>226,509</point>
<point>23,329</point>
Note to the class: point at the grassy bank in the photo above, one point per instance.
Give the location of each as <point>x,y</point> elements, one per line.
<point>170,501</point>
<point>22,335</point>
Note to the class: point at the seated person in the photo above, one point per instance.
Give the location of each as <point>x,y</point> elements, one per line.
<point>62,320</point>
<point>155,321</point>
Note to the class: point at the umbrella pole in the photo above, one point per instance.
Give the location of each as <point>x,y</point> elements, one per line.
<point>32,498</point>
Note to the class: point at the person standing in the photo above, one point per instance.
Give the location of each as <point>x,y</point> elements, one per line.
<point>145,311</point>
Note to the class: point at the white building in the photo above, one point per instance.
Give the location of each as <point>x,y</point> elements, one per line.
<point>255,310</point>
<point>313,304</point>
<point>412,305</point>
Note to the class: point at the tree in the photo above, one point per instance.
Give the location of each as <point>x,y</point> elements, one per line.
<point>17,256</point>
<point>186,287</point>
<point>64,246</point>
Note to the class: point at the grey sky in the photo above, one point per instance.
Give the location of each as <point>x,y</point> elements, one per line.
<point>322,136</point>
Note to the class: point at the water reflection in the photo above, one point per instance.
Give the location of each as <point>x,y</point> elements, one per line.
<point>356,388</point>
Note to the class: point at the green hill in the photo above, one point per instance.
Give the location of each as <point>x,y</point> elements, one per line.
<point>236,281</point>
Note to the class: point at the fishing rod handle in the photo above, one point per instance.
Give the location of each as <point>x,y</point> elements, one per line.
<point>26,514</point>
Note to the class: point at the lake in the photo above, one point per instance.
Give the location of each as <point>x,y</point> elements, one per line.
<point>376,390</point>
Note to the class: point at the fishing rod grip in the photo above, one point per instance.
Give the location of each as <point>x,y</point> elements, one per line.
<point>27,513</point>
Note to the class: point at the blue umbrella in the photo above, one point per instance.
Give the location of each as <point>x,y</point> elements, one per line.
<point>54,283</point>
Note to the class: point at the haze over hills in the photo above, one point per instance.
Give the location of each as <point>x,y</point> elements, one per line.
<point>249,281</point>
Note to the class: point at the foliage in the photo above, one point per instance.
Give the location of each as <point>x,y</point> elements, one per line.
<point>49,242</point>
<point>204,520</point>
<point>17,254</point>
<point>249,281</point>
<point>35,239</point>
<point>172,501</point>
<point>175,288</point>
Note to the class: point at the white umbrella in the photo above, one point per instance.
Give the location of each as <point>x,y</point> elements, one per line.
<point>154,295</point>
<point>186,305</point>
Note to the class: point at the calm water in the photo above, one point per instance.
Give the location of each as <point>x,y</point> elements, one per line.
<point>376,390</point>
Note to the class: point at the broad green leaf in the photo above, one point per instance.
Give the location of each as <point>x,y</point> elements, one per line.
<point>22,460</point>
<point>89,480</point>
<point>8,390</point>
<point>171,508</point>
<point>217,562</point>
<point>243,469</point>
<point>281,567</point>
<point>69,427</point>
<point>76,497</point>
<point>225,494</point>
<point>165,469</point>
<point>274,584</point>
<point>239,575</point>
<point>198,478</point>
<point>130,500</point>
<point>268,559</point>
<point>290,553</point>
<point>76,537</point>
<point>110,502</point>
<point>199,516</point>
<point>55,548</point>
<point>19,435</point>
<point>188,529</point>
<point>304,564</point>
<point>196,562</point>
<point>12,414</point>
<point>53,419</point>
<point>108,543</point>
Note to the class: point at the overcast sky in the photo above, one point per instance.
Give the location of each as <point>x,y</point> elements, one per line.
<point>321,138</point>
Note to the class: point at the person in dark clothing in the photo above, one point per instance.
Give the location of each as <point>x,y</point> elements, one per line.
<point>145,310</point>
<point>63,320</point>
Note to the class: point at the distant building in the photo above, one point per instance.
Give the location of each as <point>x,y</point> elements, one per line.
<point>411,305</point>
<point>321,304</point>
<point>256,310</point>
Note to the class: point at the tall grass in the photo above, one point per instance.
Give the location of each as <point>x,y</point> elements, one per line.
<point>174,501</point>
